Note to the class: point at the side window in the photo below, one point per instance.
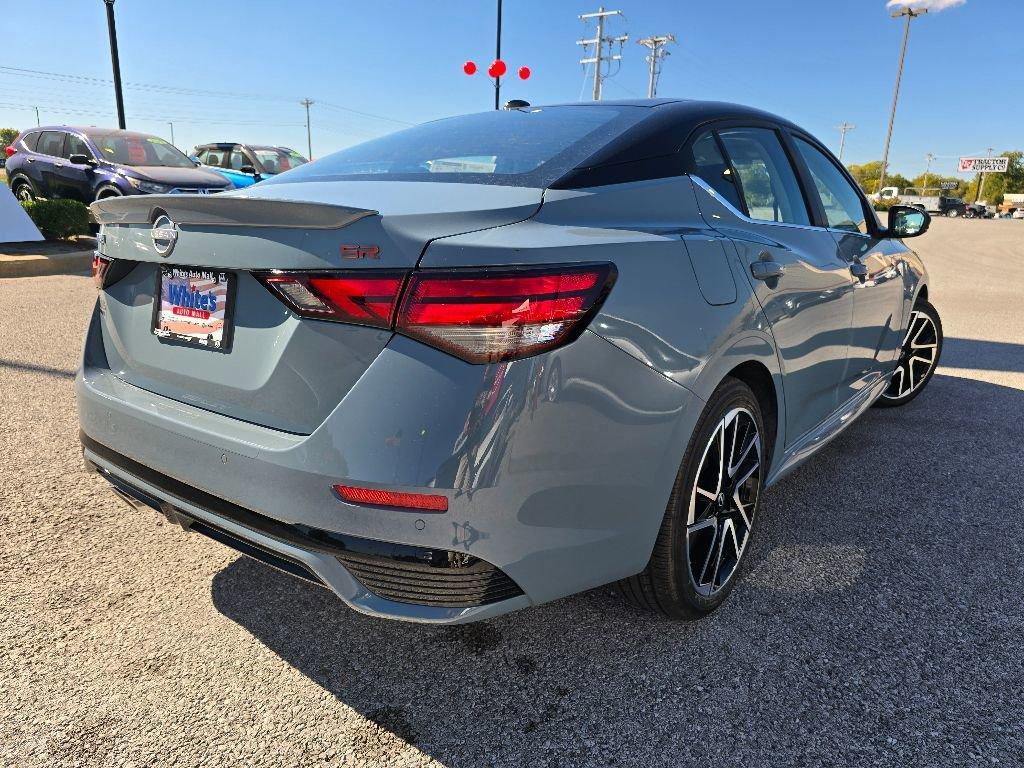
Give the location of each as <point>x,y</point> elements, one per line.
<point>51,143</point>
<point>238,159</point>
<point>75,146</point>
<point>768,181</point>
<point>29,142</point>
<point>211,157</point>
<point>842,204</point>
<point>709,164</point>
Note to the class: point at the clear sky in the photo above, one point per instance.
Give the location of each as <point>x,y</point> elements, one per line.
<point>234,70</point>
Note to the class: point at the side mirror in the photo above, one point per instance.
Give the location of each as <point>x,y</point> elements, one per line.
<point>907,221</point>
<point>82,160</point>
<point>248,169</point>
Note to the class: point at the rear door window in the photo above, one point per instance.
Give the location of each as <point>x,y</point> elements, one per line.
<point>713,169</point>
<point>766,177</point>
<point>51,143</point>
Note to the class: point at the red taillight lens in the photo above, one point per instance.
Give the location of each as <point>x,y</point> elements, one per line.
<point>10,149</point>
<point>364,298</point>
<point>482,316</point>
<point>502,314</point>
<point>100,265</point>
<point>428,502</point>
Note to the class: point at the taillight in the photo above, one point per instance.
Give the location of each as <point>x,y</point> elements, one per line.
<point>100,265</point>
<point>479,315</point>
<point>10,150</point>
<point>485,316</point>
<point>364,297</point>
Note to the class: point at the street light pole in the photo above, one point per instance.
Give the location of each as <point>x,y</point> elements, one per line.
<point>497,56</point>
<point>172,132</point>
<point>981,184</point>
<point>909,13</point>
<point>112,33</point>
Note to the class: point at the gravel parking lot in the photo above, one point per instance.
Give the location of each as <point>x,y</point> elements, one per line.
<point>879,622</point>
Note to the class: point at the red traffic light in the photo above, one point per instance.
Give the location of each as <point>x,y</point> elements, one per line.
<point>497,68</point>
<point>469,67</point>
<point>524,73</point>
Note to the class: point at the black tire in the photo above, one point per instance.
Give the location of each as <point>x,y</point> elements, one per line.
<point>668,585</point>
<point>923,341</point>
<point>23,189</point>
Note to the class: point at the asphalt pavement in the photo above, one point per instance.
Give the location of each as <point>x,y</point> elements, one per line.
<point>879,622</point>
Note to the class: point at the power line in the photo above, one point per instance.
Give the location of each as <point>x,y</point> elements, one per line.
<point>656,44</point>
<point>599,41</point>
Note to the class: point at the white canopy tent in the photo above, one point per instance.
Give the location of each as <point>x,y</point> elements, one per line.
<point>15,225</point>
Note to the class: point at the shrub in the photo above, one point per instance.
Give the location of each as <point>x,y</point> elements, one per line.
<point>58,219</point>
<point>885,205</point>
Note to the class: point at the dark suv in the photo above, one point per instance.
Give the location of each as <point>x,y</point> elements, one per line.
<point>94,163</point>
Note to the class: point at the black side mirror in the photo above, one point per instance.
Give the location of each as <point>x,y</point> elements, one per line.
<point>907,221</point>
<point>248,169</point>
<point>82,160</point>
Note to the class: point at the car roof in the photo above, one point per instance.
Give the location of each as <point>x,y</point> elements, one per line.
<point>655,139</point>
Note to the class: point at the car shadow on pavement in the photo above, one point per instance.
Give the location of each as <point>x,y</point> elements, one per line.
<point>874,621</point>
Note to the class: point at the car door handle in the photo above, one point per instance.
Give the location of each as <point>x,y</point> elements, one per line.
<point>766,270</point>
<point>30,159</point>
<point>859,270</point>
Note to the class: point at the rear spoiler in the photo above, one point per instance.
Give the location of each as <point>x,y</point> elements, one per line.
<point>220,211</point>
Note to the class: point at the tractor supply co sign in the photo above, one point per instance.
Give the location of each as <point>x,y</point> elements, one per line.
<point>983,164</point>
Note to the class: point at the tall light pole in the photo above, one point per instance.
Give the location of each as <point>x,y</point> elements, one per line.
<point>656,44</point>
<point>927,170</point>
<point>307,103</point>
<point>909,13</point>
<point>497,57</point>
<point>115,61</point>
<point>172,132</point>
<point>844,128</point>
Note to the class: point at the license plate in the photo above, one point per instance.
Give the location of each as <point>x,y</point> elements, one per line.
<point>195,306</point>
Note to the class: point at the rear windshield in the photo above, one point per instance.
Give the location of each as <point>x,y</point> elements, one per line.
<point>528,147</point>
<point>138,149</point>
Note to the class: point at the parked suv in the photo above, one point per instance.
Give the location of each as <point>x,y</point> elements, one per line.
<point>95,163</point>
<point>245,164</point>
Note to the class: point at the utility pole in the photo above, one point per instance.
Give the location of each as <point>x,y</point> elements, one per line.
<point>909,13</point>
<point>172,132</point>
<point>981,184</point>
<point>844,128</point>
<point>115,61</point>
<point>599,41</point>
<point>497,57</point>
<point>307,103</point>
<point>37,117</point>
<point>656,44</point>
<point>927,170</point>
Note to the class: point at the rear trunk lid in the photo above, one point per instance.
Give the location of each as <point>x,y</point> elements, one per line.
<point>279,370</point>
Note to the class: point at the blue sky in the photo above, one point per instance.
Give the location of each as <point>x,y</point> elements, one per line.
<point>236,70</point>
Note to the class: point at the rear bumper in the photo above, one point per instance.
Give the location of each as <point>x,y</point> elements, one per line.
<point>432,587</point>
<point>556,468</point>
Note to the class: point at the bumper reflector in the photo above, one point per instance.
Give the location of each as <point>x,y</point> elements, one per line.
<point>428,502</point>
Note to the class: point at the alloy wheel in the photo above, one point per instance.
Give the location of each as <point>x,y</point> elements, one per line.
<point>23,192</point>
<point>723,501</point>
<point>917,357</point>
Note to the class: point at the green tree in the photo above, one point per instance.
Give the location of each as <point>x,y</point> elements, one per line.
<point>7,135</point>
<point>867,176</point>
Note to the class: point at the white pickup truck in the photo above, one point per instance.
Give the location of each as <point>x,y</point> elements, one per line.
<point>919,198</point>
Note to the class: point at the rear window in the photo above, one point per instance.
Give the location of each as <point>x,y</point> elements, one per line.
<point>528,147</point>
